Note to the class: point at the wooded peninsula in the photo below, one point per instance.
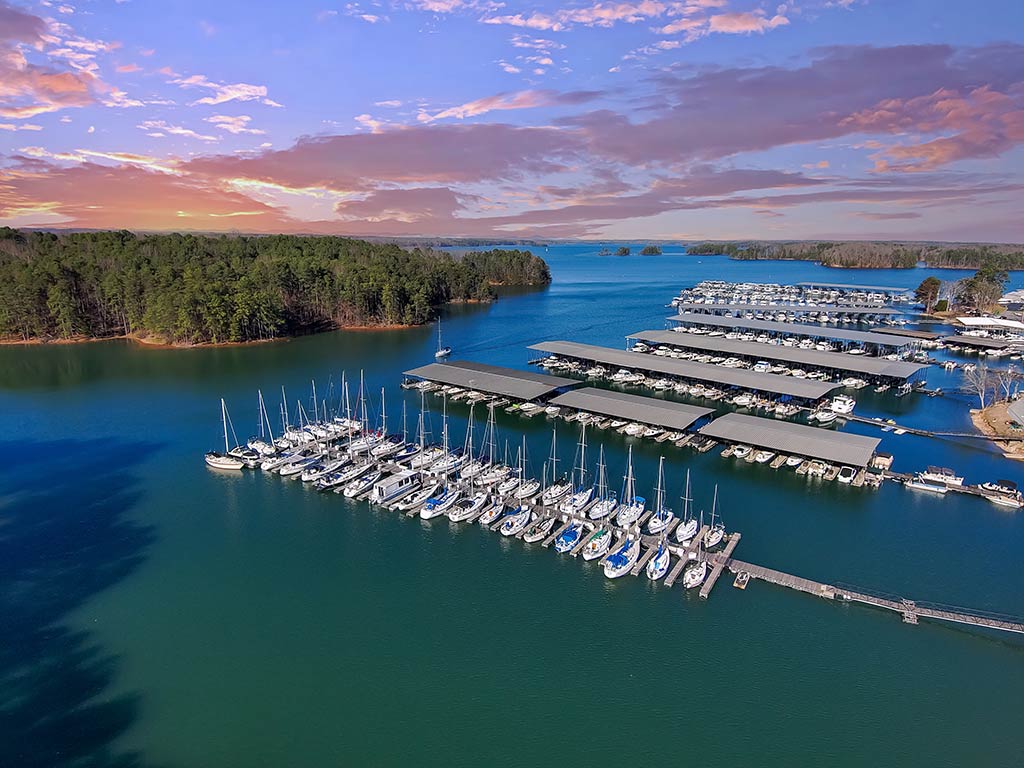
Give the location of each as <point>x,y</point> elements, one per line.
<point>190,289</point>
<point>872,255</point>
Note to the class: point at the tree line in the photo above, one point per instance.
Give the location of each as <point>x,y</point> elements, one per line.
<point>980,292</point>
<point>186,288</point>
<point>873,255</point>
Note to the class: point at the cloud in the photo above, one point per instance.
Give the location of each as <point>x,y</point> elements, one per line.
<point>236,124</point>
<point>390,103</point>
<point>161,128</point>
<point>20,127</point>
<point>873,216</point>
<point>129,68</point>
<point>505,101</point>
<point>221,92</point>
<point>745,23</point>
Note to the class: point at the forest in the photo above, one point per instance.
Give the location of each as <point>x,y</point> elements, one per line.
<point>874,255</point>
<point>192,289</point>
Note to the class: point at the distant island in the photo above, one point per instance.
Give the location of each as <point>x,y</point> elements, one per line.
<point>184,289</point>
<point>651,250</point>
<point>622,251</point>
<point>871,255</point>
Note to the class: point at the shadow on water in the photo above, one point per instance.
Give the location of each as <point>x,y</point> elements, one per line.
<point>64,537</point>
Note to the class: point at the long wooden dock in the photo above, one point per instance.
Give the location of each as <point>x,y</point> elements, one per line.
<point>718,565</point>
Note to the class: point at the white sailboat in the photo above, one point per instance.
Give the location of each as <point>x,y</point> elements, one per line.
<point>696,570</point>
<point>442,352</point>
<point>633,506</point>
<point>658,565</point>
<point>662,517</point>
<point>219,460</point>
<point>263,443</point>
<point>560,488</point>
<point>688,526</point>
<point>621,561</point>
<point>716,532</point>
<point>607,501</point>
<point>582,494</point>
<point>598,543</point>
<point>516,522</point>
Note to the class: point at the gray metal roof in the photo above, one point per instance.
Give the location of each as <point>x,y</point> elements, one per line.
<point>787,437</point>
<point>830,308</point>
<point>523,385</point>
<point>978,341</point>
<point>791,329</point>
<point>646,410</point>
<point>908,332</point>
<point>839,361</point>
<point>1016,410</point>
<point>851,287</point>
<point>731,377</point>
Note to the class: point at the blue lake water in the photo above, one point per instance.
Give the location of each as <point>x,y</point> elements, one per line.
<point>157,613</point>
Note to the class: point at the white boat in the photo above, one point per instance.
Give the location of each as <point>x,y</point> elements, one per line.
<point>598,543</point>
<point>794,461</point>
<point>218,460</point>
<point>741,451</point>
<point>621,561</point>
<point>528,489</point>
<point>581,496</point>
<point>632,506</point>
<point>662,516</point>
<point>846,475</point>
<point>842,404</point>
<point>918,484</point>
<point>1002,500</point>
<point>941,476</point>
<point>389,488</point>
<point>541,529</point>
<point>716,532</point>
<point>824,417</point>
<point>323,468</point>
<point>763,457</point>
<point>516,522</point>
<point>442,351</point>
<point>658,565</point>
<point>296,468</point>
<point>695,573</point>
<point>440,504</point>
<point>362,484</point>
<point>570,537</point>
<point>492,515</point>
<point>465,508</point>
<point>418,499</point>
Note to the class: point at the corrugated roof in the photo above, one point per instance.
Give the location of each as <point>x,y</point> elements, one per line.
<point>790,329</point>
<point>908,332</point>
<point>839,361</point>
<point>731,377</point>
<point>851,287</point>
<point>1016,410</point>
<point>830,308</point>
<point>523,385</point>
<point>978,341</point>
<point>787,437</point>
<point>646,410</point>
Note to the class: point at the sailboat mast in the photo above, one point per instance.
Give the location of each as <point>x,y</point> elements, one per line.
<point>660,493</point>
<point>383,414</point>
<point>224,421</point>
<point>316,413</point>
<point>686,498</point>
<point>423,436</point>
<point>405,425</point>
<point>602,479</point>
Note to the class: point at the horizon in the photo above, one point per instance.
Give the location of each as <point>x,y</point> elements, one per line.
<point>635,121</point>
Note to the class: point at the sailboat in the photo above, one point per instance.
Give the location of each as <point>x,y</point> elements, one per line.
<point>581,496</point>
<point>442,352</point>
<point>662,517</point>
<point>528,487</point>
<point>409,450</point>
<point>570,537</point>
<point>697,570</point>
<point>622,560</point>
<point>219,460</point>
<point>560,488</point>
<point>368,439</point>
<point>607,501</point>
<point>263,444</point>
<point>716,532</point>
<point>598,543</point>
<point>540,529</point>
<point>448,493</point>
<point>632,505</point>
<point>688,526</point>
<point>474,466</point>
<point>516,522</point>
<point>658,565</point>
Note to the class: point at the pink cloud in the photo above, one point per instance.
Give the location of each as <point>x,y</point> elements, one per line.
<point>738,23</point>
<point>505,101</point>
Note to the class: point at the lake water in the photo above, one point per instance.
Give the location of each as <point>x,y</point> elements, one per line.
<point>157,613</point>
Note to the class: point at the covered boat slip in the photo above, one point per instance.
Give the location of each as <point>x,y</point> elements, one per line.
<point>981,342</point>
<point>767,383</point>
<point>812,358</point>
<point>881,340</point>
<point>910,333</point>
<point>828,309</point>
<point>493,380</point>
<point>849,287</point>
<point>793,439</point>
<point>645,410</point>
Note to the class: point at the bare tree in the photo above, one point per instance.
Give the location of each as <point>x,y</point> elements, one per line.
<point>980,381</point>
<point>1008,382</point>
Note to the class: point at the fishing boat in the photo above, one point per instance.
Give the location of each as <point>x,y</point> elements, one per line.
<point>658,565</point>
<point>570,537</point>
<point>716,532</point>
<point>621,561</point>
<point>218,460</point>
<point>442,351</point>
<point>633,506</point>
<point>598,543</point>
<point>540,529</point>
<point>516,522</point>
<point>662,516</point>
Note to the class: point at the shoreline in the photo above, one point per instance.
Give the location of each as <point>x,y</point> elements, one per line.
<point>982,420</point>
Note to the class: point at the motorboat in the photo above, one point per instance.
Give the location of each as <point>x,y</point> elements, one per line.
<point>846,475</point>
<point>920,484</point>
<point>741,451</point>
<point>763,457</point>
<point>941,475</point>
<point>621,561</point>
<point>841,404</point>
<point>570,537</point>
<point>598,543</point>
<point>658,565</point>
<point>794,461</point>
<point>516,522</point>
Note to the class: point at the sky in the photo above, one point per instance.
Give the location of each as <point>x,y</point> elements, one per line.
<point>633,120</point>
